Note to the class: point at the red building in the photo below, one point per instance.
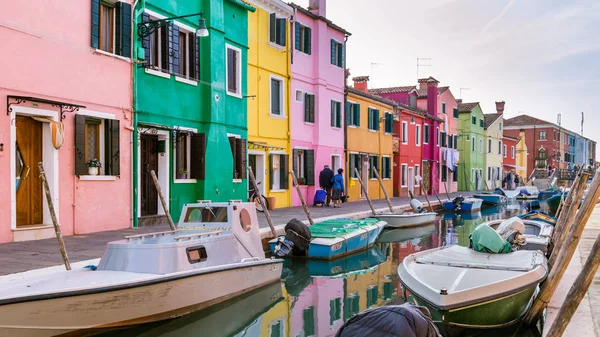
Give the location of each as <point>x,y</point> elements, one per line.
<point>408,132</point>
<point>509,153</point>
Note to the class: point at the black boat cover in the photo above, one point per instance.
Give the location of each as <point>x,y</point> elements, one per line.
<point>406,320</point>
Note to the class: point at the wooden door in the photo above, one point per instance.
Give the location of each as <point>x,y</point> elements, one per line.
<point>28,151</point>
<point>411,179</point>
<point>364,174</point>
<point>149,162</point>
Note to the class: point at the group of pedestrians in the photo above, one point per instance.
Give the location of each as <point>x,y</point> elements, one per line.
<point>333,184</point>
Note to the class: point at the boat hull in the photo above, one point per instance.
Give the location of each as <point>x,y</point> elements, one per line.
<point>133,305</point>
<point>491,199</point>
<point>469,206</point>
<point>407,220</point>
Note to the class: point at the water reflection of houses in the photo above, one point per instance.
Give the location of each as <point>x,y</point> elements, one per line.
<point>276,322</point>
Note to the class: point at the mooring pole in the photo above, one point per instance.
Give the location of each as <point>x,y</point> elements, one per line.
<point>61,243</point>
<point>387,198</point>
<point>261,201</point>
<point>162,200</point>
<point>438,198</point>
<point>421,183</point>
<point>364,191</point>
<point>567,249</point>
<point>304,206</point>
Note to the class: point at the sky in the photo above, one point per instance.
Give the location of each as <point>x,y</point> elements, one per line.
<point>542,57</point>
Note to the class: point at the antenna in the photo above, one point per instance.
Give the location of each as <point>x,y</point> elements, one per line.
<point>558,119</point>
<point>461,89</point>
<point>421,64</point>
<point>582,124</point>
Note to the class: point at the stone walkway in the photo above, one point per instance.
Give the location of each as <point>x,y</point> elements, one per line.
<point>22,256</point>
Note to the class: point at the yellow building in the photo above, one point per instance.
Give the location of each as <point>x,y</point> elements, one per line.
<point>276,321</point>
<point>369,127</point>
<point>521,158</point>
<point>268,98</point>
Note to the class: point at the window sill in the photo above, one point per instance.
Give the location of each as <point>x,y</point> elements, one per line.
<point>372,130</point>
<point>186,81</point>
<point>277,191</point>
<point>353,126</point>
<point>385,179</point>
<point>184,181</point>
<point>276,46</point>
<point>237,181</point>
<point>234,94</point>
<point>309,123</point>
<point>105,53</point>
<point>98,178</point>
<point>277,116</point>
<point>335,128</point>
<point>157,73</point>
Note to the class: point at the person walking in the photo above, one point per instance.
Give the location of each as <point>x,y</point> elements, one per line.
<point>338,188</point>
<point>326,182</point>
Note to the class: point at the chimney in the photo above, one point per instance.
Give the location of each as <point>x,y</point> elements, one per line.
<point>361,83</point>
<point>500,107</point>
<point>432,96</point>
<point>459,101</point>
<point>317,7</point>
<point>423,83</point>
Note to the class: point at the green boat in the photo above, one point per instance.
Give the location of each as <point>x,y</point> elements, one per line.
<point>465,289</point>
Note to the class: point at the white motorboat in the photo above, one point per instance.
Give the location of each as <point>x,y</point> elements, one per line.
<point>537,234</point>
<point>407,219</point>
<point>214,255</point>
<point>467,289</point>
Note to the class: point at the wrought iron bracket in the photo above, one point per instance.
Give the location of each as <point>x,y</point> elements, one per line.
<point>63,107</point>
<point>148,27</point>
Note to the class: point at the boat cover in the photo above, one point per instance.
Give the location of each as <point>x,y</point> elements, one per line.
<point>512,230</point>
<point>338,227</point>
<point>406,320</point>
<point>457,256</point>
<point>485,239</point>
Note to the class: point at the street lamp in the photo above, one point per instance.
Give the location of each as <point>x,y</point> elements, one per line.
<point>148,27</point>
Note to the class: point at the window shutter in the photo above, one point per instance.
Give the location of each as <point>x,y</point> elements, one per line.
<point>193,56</point>
<point>307,40</point>
<point>282,32</point>
<point>309,169</point>
<point>146,41</point>
<point>233,156</point>
<point>340,55</point>
<point>174,47</point>
<point>271,181</point>
<point>241,163</point>
<point>113,136</point>
<point>295,162</point>
<point>370,118</point>
<point>297,36</point>
<point>272,27</point>
<point>95,34</point>
<point>198,155</point>
<point>333,50</point>
<point>123,29</point>
<point>348,112</point>
<point>338,114</point>
<point>166,47</point>
<point>332,113</point>
<point>376,121</point>
<point>357,114</point>
<point>312,108</point>
<point>80,167</point>
<point>306,107</point>
<point>284,173</point>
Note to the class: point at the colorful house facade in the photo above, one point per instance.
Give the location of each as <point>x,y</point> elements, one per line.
<point>190,110</point>
<point>509,154</point>
<point>369,141</point>
<point>521,153</point>
<point>268,99</point>
<point>408,139</point>
<point>494,132</point>
<point>317,97</point>
<point>73,107</point>
<point>470,146</point>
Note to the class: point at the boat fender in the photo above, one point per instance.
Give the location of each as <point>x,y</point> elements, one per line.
<point>417,206</point>
<point>299,234</point>
<point>91,266</point>
<point>533,205</point>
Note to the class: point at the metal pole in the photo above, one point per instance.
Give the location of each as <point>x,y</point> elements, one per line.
<point>261,201</point>
<point>162,200</point>
<point>304,206</point>
<point>61,243</point>
<point>387,198</point>
<point>364,191</point>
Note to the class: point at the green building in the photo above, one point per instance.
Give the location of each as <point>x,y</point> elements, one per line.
<point>470,146</point>
<point>190,109</point>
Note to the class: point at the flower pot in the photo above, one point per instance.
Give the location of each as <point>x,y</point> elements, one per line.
<point>93,171</point>
<point>182,176</point>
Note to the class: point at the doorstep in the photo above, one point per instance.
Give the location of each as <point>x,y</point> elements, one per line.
<point>35,232</point>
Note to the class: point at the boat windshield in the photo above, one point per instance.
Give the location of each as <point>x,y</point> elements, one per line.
<point>206,214</point>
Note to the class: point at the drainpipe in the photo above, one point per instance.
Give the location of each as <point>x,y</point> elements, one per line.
<point>289,104</point>
<point>134,135</point>
<point>346,154</point>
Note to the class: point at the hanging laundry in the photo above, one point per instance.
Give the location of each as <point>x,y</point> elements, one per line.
<point>449,160</point>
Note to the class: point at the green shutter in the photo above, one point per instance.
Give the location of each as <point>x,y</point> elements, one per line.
<point>307,40</point>
<point>297,38</point>
<point>113,132</point>
<point>312,108</point>
<point>357,114</point>
<point>197,156</point>
<point>370,116</point>
<point>376,121</point>
<point>272,27</point>
<point>307,108</point>
<point>340,55</point>
<point>332,113</point>
<point>95,24</point>
<point>281,32</point>
<point>80,166</point>
<point>284,171</point>
<point>338,114</point>
<point>348,112</point>
<point>309,168</point>
<point>333,51</point>
<point>123,29</point>
<point>294,162</point>
<point>271,181</point>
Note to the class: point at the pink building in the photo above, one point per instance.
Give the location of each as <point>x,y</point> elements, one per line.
<point>69,68</point>
<point>445,108</point>
<point>311,313</point>
<point>318,78</point>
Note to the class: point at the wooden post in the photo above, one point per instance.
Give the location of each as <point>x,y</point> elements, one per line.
<point>577,292</point>
<point>438,198</point>
<point>421,183</point>
<point>162,200</point>
<point>565,219</point>
<point>61,243</point>
<point>364,191</point>
<point>470,182</point>
<point>304,206</point>
<point>261,201</point>
<point>447,194</point>
<point>566,251</point>
<point>387,198</point>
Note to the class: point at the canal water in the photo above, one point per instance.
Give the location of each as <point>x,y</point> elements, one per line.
<point>316,297</point>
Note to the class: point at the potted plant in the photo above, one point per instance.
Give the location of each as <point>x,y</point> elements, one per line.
<point>93,166</point>
<point>182,173</point>
<point>301,181</point>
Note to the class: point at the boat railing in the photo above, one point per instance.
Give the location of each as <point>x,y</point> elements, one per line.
<point>199,235</point>
<point>139,236</point>
<point>250,259</point>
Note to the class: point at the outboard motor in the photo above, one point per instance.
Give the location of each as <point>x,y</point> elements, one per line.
<point>512,230</point>
<point>500,191</point>
<point>296,240</point>
<point>417,206</point>
<point>532,206</point>
<point>458,202</point>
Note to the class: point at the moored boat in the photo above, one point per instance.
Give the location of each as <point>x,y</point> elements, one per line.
<point>460,204</point>
<point>539,215</point>
<point>465,289</point>
<point>402,234</point>
<point>537,234</point>
<point>407,219</point>
<point>528,192</point>
<point>144,278</point>
<point>491,198</point>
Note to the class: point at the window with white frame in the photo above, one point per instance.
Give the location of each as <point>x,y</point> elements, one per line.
<point>473,144</point>
<point>299,96</point>
<point>437,139</point>
<point>543,136</point>
<point>277,30</point>
<point>303,38</point>
<point>403,173</point>
<point>500,126</point>
<point>417,172</point>
<point>276,172</point>
<point>426,134</point>
<point>238,152</point>
<point>309,108</point>
<point>499,147</point>
<point>107,27</point>
<point>337,53</point>
<point>512,152</point>
<point>353,114</point>
<point>277,96</point>
<point>481,146</point>
<point>489,146</point>
<point>404,132</point>
<point>336,114</point>
<point>111,30</point>
<point>100,142</point>
<point>182,155</point>
<point>184,58</point>
<point>158,49</point>
<point>504,150</point>
<point>386,167</point>
<point>418,134</point>
<point>234,71</point>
